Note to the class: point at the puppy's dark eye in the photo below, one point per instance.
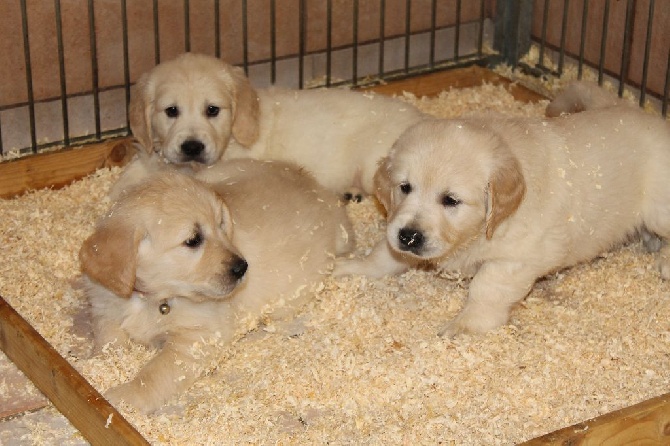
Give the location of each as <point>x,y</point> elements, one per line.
<point>195,240</point>
<point>450,201</point>
<point>172,111</point>
<point>405,188</point>
<point>212,111</point>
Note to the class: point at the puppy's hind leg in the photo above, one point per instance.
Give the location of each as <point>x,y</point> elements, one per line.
<point>496,287</point>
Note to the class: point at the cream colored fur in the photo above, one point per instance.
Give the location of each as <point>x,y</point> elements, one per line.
<point>272,215</point>
<point>513,199</point>
<point>337,135</point>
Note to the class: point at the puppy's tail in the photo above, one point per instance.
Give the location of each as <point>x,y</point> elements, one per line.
<point>579,96</point>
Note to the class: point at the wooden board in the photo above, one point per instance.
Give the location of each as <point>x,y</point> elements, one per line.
<point>473,76</point>
<point>60,168</point>
<point>645,423</point>
<point>98,421</point>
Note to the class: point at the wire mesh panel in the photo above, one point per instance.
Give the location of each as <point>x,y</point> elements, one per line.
<point>68,64</point>
<point>626,40</point>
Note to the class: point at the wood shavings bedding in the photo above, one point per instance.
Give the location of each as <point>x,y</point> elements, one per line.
<point>362,363</point>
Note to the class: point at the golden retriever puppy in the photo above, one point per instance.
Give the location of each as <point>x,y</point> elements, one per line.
<point>510,200</point>
<point>188,266</point>
<point>196,109</point>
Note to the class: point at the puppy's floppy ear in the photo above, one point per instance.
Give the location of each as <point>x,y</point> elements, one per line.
<point>246,109</point>
<point>383,185</point>
<point>506,190</point>
<point>139,113</point>
<point>109,256</point>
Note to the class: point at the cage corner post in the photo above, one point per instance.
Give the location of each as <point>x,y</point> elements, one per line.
<point>512,33</point>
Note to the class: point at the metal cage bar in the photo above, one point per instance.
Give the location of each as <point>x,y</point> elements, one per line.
<point>245,37</point>
<point>408,28</point>
<point>647,50</point>
<point>603,43</point>
<point>94,68</point>
<point>217,28</point>
<point>416,37</point>
<point>545,26</point>
<point>457,31</point>
<point>564,29</point>
<point>61,73</point>
<point>187,26</point>
<point>157,41</point>
<point>382,36</point>
<point>433,26</point>
<point>582,39</point>
<point>126,61</point>
<point>302,23</point>
<point>329,42</point>
<point>625,56</point>
<point>354,49</point>
<point>480,31</point>
<point>273,42</point>
<point>29,76</point>
<point>666,89</point>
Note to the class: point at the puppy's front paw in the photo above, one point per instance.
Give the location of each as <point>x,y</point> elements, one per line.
<point>473,321</point>
<point>132,394</point>
<point>451,329</point>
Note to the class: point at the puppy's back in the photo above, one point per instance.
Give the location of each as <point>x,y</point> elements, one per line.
<point>286,226</point>
<point>593,176</point>
<point>339,135</point>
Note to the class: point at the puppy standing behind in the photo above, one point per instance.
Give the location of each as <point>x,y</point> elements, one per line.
<point>196,109</point>
<point>515,199</point>
<point>178,266</point>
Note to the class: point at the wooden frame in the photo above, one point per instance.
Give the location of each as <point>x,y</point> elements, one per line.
<point>647,422</point>
<point>97,420</point>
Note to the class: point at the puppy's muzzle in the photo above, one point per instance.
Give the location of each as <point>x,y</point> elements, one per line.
<point>238,268</point>
<point>192,150</point>
<point>410,239</point>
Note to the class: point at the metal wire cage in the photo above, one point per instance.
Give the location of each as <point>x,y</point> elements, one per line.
<point>68,65</point>
<point>625,40</point>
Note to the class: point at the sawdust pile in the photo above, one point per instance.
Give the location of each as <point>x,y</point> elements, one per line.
<point>362,363</point>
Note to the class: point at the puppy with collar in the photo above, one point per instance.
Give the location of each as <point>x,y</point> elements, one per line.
<point>197,110</point>
<point>513,199</point>
<point>188,266</point>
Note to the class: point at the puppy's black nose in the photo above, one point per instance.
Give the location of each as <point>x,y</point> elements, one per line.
<point>192,148</point>
<point>238,268</point>
<point>410,239</point>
